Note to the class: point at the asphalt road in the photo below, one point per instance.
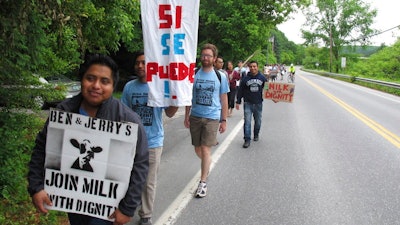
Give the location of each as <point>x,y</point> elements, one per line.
<point>330,157</point>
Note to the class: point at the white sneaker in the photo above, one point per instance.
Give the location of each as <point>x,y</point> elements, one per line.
<point>145,221</point>
<point>201,190</point>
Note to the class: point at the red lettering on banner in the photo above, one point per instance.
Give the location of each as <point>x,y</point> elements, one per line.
<point>279,96</point>
<point>188,70</point>
<point>173,71</point>
<point>278,86</point>
<point>164,14</point>
<point>162,9</point>
<point>151,68</point>
<point>163,72</point>
<point>178,17</point>
<point>286,87</point>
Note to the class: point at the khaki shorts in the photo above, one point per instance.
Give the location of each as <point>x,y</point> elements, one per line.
<point>203,131</point>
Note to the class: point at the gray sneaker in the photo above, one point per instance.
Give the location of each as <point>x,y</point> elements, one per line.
<point>145,221</point>
<point>201,190</point>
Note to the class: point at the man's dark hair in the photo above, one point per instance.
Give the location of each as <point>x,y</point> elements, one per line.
<point>98,59</point>
<point>137,54</point>
<point>253,62</point>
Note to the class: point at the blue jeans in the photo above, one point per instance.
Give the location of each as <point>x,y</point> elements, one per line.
<point>250,110</point>
<point>78,219</point>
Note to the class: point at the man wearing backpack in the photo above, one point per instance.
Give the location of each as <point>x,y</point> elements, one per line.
<point>208,112</point>
<point>219,65</point>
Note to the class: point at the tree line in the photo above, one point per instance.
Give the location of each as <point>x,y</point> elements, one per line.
<point>53,37</point>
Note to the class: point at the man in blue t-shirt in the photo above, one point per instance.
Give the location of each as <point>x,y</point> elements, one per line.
<point>208,112</point>
<point>135,95</point>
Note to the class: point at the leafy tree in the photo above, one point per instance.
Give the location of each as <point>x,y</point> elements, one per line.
<point>18,131</point>
<point>316,58</point>
<point>284,49</point>
<point>239,27</point>
<point>336,23</point>
<point>66,30</point>
<point>52,37</point>
<point>300,54</point>
<point>383,65</point>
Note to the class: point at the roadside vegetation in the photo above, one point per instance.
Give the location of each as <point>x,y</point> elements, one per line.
<point>18,131</point>
<point>53,37</point>
<point>382,64</point>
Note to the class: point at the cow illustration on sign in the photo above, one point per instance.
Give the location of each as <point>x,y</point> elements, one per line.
<point>86,151</point>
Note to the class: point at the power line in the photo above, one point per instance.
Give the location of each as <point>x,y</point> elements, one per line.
<point>385,31</point>
<point>381,32</point>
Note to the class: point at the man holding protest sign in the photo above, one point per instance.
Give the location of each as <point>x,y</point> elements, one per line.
<point>208,112</point>
<point>135,96</point>
<point>99,76</point>
<point>251,90</point>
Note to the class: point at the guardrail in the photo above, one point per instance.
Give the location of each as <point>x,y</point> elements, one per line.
<point>371,81</point>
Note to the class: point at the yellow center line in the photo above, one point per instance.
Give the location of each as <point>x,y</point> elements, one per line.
<point>391,137</point>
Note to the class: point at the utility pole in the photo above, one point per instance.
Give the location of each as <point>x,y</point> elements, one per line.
<point>272,41</point>
<point>330,47</point>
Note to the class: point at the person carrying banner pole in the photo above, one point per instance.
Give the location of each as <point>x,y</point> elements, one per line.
<point>135,96</point>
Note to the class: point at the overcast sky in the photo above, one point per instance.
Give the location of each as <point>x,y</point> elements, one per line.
<point>388,16</point>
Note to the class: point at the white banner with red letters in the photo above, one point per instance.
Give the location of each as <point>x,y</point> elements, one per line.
<point>170,29</point>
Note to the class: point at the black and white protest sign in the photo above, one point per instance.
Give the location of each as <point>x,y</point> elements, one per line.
<point>88,163</point>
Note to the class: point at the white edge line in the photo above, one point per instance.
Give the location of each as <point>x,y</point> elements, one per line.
<point>182,200</point>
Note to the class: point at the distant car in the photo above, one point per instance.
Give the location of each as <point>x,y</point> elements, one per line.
<point>58,82</point>
<point>39,95</point>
